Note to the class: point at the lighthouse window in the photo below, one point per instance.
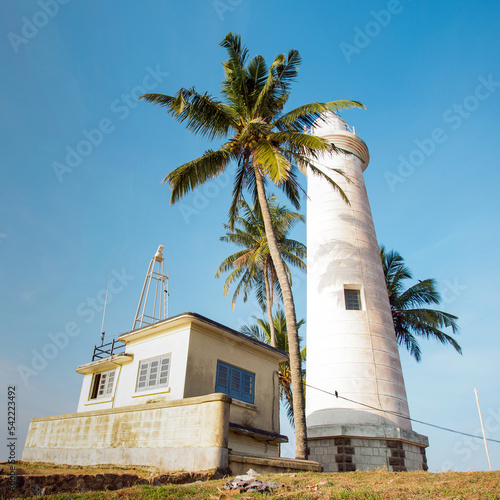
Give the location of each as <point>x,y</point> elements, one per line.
<point>153,372</point>
<point>102,384</point>
<point>235,382</point>
<point>352,300</point>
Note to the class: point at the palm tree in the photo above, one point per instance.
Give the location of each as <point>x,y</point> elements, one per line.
<point>266,145</point>
<point>253,265</point>
<point>261,330</point>
<point>409,318</point>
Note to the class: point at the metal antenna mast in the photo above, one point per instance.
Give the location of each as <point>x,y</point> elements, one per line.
<point>158,306</point>
<point>104,312</point>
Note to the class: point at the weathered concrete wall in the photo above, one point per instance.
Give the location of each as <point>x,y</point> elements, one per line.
<point>188,434</point>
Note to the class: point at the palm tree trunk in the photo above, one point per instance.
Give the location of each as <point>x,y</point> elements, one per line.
<point>286,389</point>
<point>291,322</point>
<point>269,298</point>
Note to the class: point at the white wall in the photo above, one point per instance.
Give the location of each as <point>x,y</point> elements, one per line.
<point>174,341</point>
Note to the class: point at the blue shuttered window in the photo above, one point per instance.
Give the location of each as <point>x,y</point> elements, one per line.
<point>235,382</point>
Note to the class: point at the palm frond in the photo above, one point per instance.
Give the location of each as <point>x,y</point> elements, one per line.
<point>424,292</point>
<point>411,320</point>
<point>185,178</point>
<point>273,163</point>
<point>248,232</point>
<point>307,114</point>
<point>287,73</point>
<point>204,115</point>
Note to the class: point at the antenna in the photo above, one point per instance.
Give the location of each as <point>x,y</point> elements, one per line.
<point>104,312</point>
<point>158,310</point>
<point>482,428</point>
<point>165,302</point>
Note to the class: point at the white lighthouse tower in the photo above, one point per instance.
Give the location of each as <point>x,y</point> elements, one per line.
<point>351,344</point>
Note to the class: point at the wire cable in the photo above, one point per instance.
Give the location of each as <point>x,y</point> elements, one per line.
<point>337,395</point>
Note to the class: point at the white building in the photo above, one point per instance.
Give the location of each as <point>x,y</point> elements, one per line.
<point>351,344</point>
<point>186,394</point>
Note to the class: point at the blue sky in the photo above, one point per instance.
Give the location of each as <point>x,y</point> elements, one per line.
<point>429,75</point>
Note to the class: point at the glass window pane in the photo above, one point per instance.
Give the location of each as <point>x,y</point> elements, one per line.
<point>352,300</point>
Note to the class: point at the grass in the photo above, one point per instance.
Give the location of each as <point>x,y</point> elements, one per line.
<point>373,485</point>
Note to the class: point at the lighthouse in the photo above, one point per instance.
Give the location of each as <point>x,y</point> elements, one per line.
<point>356,406</point>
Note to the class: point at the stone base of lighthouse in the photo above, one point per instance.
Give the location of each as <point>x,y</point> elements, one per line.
<point>345,448</point>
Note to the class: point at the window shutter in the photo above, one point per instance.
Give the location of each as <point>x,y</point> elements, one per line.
<point>165,364</point>
<point>235,391</point>
<point>248,385</point>
<point>222,384</point>
<point>142,376</point>
<point>235,382</point>
<point>111,379</point>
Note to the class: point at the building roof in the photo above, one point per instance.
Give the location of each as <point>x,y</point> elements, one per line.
<point>191,317</point>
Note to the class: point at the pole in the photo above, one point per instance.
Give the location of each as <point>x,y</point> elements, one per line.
<point>482,427</point>
<point>104,311</point>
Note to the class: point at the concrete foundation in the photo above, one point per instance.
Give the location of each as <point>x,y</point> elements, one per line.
<point>345,448</point>
<point>241,463</point>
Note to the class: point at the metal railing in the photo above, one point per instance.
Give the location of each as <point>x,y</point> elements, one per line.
<point>105,350</point>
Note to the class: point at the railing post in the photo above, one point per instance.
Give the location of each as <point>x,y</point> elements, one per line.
<point>99,351</point>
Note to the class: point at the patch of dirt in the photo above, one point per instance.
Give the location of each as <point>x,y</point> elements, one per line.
<point>31,479</point>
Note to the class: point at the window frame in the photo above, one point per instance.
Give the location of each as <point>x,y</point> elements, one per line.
<point>107,386</point>
<point>146,365</point>
<point>357,290</point>
<point>237,383</point>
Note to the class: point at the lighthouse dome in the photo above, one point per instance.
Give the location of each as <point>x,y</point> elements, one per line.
<point>329,123</point>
